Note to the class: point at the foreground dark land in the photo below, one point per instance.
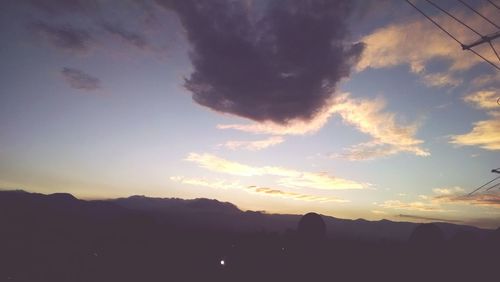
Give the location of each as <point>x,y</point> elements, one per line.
<point>60,238</point>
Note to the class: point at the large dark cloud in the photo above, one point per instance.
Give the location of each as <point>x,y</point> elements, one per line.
<point>80,80</point>
<point>272,63</point>
<point>65,37</point>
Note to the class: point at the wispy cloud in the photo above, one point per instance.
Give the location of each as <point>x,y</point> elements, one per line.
<point>56,8</point>
<point>418,43</point>
<point>366,115</point>
<point>265,191</point>
<point>443,198</point>
<point>485,133</point>
<point>292,127</point>
<point>254,145</point>
<point>389,137</point>
<point>484,99</point>
<point>132,38</point>
<point>486,80</point>
<point>441,79</point>
<point>293,195</point>
<point>211,183</point>
<point>448,190</point>
<point>286,177</point>
<point>411,206</point>
<point>65,37</point>
<point>80,80</point>
<point>424,218</point>
<point>481,199</point>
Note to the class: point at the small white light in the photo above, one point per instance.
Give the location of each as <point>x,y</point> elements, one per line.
<point>222,262</point>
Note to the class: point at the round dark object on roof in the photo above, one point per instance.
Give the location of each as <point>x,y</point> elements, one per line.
<point>312,226</point>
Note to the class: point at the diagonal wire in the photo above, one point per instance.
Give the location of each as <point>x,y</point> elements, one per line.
<point>474,10</point>
<point>477,189</point>
<point>486,60</point>
<point>494,50</point>
<point>434,22</point>
<point>452,16</point>
<point>450,35</point>
<point>494,185</point>
<point>493,3</point>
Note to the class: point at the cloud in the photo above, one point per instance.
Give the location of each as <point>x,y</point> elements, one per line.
<point>254,145</point>
<point>366,115</point>
<point>132,38</point>
<point>58,7</point>
<point>64,37</point>
<point>293,127</point>
<point>418,43</point>
<point>224,184</point>
<point>292,195</point>
<point>442,198</point>
<point>441,79</point>
<point>484,99</point>
<point>480,199</point>
<point>286,177</point>
<point>411,206</point>
<point>424,218</point>
<point>80,80</point>
<point>486,79</point>
<point>367,151</point>
<point>448,191</point>
<point>389,137</point>
<point>279,62</point>
<point>217,184</point>
<point>484,134</point>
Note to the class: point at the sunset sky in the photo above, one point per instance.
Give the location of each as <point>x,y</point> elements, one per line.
<point>354,109</point>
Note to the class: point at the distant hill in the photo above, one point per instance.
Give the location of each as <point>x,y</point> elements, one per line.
<point>199,214</point>
<point>60,238</point>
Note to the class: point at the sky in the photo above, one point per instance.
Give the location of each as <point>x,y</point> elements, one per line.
<point>354,109</point>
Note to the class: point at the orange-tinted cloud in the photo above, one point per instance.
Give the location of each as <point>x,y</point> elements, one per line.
<point>485,134</point>
<point>255,145</point>
<point>286,177</point>
<point>293,195</point>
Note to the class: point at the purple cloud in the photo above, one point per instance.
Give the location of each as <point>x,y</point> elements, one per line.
<point>64,37</point>
<point>80,80</point>
<point>277,63</point>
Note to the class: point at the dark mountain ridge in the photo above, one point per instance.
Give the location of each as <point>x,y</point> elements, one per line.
<point>203,213</point>
<point>60,238</point>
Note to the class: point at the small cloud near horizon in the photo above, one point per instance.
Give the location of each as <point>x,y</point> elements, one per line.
<point>80,80</point>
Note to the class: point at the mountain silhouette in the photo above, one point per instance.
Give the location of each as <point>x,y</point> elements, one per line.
<point>58,237</point>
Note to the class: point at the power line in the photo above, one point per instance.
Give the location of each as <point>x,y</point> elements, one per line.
<point>464,47</point>
<point>453,17</point>
<point>493,3</point>
<point>494,185</point>
<point>494,50</point>
<point>477,189</point>
<point>486,60</point>
<point>474,10</point>
<point>435,23</point>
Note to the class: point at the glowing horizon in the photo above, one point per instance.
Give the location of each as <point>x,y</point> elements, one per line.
<point>393,121</point>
